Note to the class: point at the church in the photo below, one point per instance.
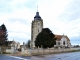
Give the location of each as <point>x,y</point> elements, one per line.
<point>62,41</point>
<point>36,28</point>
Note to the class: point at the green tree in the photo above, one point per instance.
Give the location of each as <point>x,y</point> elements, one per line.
<point>45,39</point>
<point>28,43</point>
<point>3,35</point>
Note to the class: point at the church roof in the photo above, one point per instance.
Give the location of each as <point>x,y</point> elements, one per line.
<point>59,37</point>
<point>37,16</point>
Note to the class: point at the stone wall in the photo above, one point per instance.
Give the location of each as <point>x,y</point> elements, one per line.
<point>3,48</point>
<point>52,51</point>
<point>11,50</point>
<point>25,52</point>
<point>8,51</point>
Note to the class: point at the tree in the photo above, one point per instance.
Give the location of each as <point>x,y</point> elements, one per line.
<point>28,43</point>
<point>45,39</point>
<point>3,35</point>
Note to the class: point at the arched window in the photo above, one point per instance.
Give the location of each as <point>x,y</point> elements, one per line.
<point>58,43</point>
<point>63,42</point>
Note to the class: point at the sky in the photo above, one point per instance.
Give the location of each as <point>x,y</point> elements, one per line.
<point>61,16</point>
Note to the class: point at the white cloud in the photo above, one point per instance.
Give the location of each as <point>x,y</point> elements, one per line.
<point>17,15</point>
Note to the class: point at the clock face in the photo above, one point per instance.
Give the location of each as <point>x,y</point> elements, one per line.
<point>38,24</point>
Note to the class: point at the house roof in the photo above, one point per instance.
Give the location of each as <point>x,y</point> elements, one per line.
<point>60,36</point>
<point>10,42</point>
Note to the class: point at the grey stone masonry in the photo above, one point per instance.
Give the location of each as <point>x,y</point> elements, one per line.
<point>36,28</point>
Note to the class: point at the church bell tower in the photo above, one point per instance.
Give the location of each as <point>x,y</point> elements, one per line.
<point>36,28</point>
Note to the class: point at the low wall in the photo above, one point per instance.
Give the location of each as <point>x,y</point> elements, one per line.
<point>12,51</point>
<point>3,48</point>
<point>8,51</point>
<point>51,51</point>
<point>26,52</point>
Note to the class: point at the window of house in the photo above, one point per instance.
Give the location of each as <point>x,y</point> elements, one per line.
<point>58,43</point>
<point>64,43</point>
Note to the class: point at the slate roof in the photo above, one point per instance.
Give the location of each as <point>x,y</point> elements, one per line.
<point>11,42</point>
<point>37,16</point>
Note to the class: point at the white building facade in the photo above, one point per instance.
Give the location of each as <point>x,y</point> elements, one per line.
<point>62,41</point>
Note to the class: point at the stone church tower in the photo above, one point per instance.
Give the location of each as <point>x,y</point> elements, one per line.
<point>36,28</point>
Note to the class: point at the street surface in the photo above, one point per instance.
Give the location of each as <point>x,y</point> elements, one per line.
<point>5,57</point>
<point>62,56</point>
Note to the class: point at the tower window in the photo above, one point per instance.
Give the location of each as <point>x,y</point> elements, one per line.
<point>38,30</point>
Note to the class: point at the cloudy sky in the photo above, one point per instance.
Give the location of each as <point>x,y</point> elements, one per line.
<point>61,16</point>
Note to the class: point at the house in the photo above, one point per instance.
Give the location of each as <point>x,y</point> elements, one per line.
<point>14,43</point>
<point>62,41</point>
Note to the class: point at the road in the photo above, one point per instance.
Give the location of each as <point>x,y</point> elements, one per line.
<point>6,57</point>
<point>62,56</point>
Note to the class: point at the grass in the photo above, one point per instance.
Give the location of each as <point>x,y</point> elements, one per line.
<point>0,52</point>
<point>5,53</point>
<point>75,51</point>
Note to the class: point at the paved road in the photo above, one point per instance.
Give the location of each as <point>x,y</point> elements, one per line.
<point>4,57</point>
<point>63,56</point>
